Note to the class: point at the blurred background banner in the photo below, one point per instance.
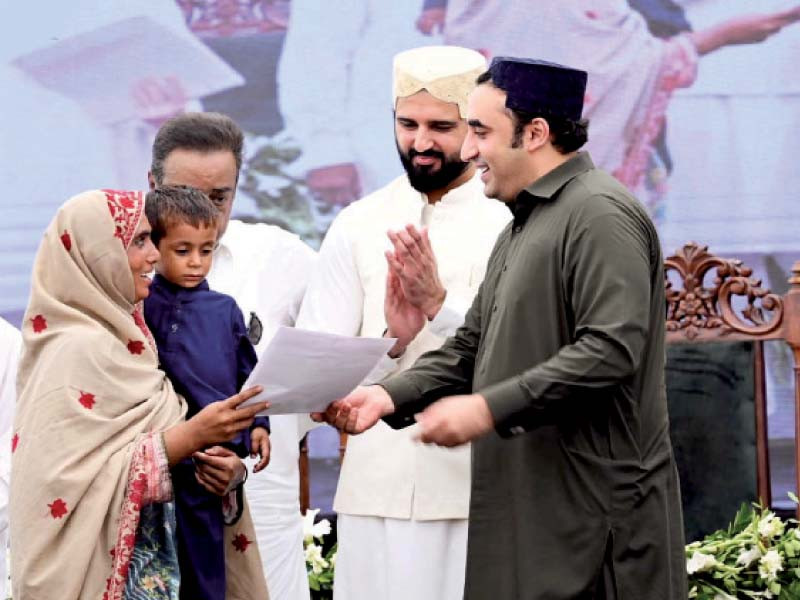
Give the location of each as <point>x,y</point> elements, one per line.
<point>694,104</point>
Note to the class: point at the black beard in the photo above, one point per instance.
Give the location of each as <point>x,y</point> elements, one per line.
<point>423,179</point>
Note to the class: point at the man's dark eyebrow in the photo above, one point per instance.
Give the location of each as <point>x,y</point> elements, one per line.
<point>443,123</point>
<point>476,123</point>
<point>221,190</point>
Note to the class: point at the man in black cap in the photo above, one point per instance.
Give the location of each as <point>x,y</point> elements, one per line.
<point>557,375</point>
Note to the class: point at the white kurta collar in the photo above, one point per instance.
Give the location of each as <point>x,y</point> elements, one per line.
<point>467,191</point>
<point>230,241</point>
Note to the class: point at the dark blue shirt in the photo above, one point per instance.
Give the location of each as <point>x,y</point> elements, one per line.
<point>204,350</point>
<point>202,345</point>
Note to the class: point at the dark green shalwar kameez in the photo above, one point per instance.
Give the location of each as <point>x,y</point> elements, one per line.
<point>576,494</point>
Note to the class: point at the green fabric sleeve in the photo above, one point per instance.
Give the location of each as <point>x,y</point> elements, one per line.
<point>608,267</point>
<point>438,373</point>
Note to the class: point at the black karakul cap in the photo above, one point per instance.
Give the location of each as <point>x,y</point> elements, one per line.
<point>537,85</point>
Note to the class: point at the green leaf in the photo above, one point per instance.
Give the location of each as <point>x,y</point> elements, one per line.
<point>744,517</point>
<point>791,592</point>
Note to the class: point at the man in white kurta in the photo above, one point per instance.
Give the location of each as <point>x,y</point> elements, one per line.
<point>265,269</point>
<point>402,506</point>
<point>10,348</point>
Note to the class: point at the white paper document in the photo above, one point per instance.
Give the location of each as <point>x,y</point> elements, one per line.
<point>304,371</point>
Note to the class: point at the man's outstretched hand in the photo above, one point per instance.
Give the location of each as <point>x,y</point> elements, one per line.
<point>358,411</point>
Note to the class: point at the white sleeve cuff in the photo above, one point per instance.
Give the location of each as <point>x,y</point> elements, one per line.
<point>450,317</point>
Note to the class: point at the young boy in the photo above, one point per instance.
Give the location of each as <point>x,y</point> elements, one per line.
<point>204,349</point>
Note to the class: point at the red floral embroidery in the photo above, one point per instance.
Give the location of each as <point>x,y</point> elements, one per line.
<point>66,240</point>
<point>138,488</point>
<point>135,347</point>
<point>126,210</point>
<point>14,442</point>
<point>140,323</point>
<point>58,508</point>
<point>240,542</point>
<point>87,400</point>
<point>39,324</point>
<point>145,484</point>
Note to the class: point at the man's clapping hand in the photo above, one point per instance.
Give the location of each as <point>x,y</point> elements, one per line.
<point>415,265</point>
<point>404,320</point>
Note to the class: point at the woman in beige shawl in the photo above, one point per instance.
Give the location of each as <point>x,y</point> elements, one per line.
<point>97,424</point>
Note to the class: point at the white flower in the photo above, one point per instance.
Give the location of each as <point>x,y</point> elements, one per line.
<point>770,526</point>
<point>748,557</point>
<point>321,529</point>
<point>313,530</point>
<point>769,565</point>
<point>313,554</point>
<point>700,562</point>
<point>308,524</point>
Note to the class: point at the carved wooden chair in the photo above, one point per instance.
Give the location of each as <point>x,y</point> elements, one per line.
<point>718,318</point>
<point>715,382</point>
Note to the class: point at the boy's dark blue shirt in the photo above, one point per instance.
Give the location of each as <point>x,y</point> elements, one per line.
<point>202,345</point>
<point>204,350</point>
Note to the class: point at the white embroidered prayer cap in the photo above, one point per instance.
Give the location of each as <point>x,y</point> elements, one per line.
<point>445,72</point>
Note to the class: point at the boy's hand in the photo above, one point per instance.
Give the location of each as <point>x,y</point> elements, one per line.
<point>259,444</point>
<point>219,470</point>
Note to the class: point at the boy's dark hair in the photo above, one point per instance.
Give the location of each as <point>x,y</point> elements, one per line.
<point>566,135</point>
<point>198,131</point>
<point>168,205</point>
